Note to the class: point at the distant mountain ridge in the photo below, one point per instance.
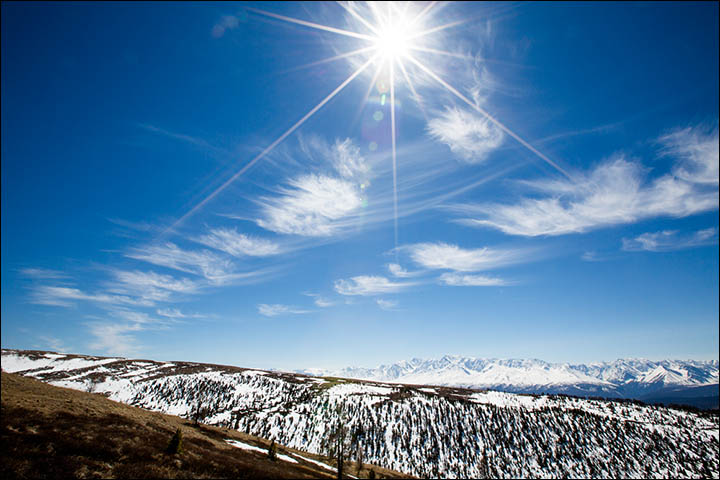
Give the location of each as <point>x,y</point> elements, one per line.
<point>687,381</point>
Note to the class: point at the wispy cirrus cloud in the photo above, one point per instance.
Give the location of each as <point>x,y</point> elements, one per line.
<point>43,273</point>
<point>67,296</point>
<point>668,240</point>
<point>230,241</point>
<point>197,141</point>
<point>312,206</point>
<point>114,338</point>
<point>386,304</point>
<point>150,285</point>
<point>114,334</point>
<point>469,136</point>
<point>176,313</point>
<point>451,257</point>
<point>398,271</point>
<point>319,300</point>
<point>320,204</point>
<point>216,269</point>
<point>349,162</point>
<point>367,285</point>
<point>591,256</point>
<point>54,344</point>
<point>226,22</point>
<point>697,152</point>
<point>274,310</point>
<point>465,280</point>
<point>614,193</point>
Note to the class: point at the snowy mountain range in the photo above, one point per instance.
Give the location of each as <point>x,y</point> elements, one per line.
<point>420,430</point>
<point>666,381</point>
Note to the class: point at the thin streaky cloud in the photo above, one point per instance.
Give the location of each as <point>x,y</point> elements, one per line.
<point>197,141</point>
<point>139,280</point>
<point>697,152</point>
<point>668,240</point>
<point>319,300</point>
<point>436,256</point>
<point>176,313</point>
<point>273,310</point>
<point>237,244</point>
<point>66,297</point>
<point>388,305</point>
<point>226,22</point>
<point>464,280</point>
<point>215,269</point>
<point>470,137</point>
<point>311,206</point>
<point>54,344</point>
<point>400,272</point>
<point>114,338</point>
<point>614,193</point>
<point>43,273</point>
<point>368,285</point>
<point>198,262</point>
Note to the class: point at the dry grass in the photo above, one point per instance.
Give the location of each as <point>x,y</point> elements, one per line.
<point>53,432</point>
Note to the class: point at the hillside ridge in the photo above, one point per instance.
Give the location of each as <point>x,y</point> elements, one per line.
<point>424,431</point>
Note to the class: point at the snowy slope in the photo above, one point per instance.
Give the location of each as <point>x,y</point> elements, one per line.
<point>424,431</point>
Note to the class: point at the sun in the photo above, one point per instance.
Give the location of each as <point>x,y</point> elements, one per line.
<point>392,43</point>
<point>395,40</point>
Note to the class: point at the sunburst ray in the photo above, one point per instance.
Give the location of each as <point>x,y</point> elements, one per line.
<point>270,147</point>
<point>481,111</point>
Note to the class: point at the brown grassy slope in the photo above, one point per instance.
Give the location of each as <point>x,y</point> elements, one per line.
<point>53,432</point>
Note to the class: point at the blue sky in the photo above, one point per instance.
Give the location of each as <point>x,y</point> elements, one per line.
<point>171,191</point>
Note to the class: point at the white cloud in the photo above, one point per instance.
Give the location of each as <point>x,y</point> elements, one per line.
<point>311,207</point>
<point>176,313</point>
<point>462,280</point>
<point>697,151</point>
<point>115,338</point>
<point>65,297</point>
<point>238,244</point>
<point>451,257</point>
<point>151,285</point>
<point>348,161</point>
<point>590,256</point>
<point>214,268</point>
<point>320,301</point>
<point>397,270</point>
<point>368,285</point>
<point>468,135</point>
<point>277,309</point>
<point>612,194</point>
<point>42,273</point>
<point>400,272</point>
<point>667,240</point>
<point>323,303</point>
<point>386,304</point>
<point>227,22</point>
<point>54,344</point>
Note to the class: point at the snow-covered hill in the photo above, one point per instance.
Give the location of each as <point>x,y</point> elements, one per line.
<point>630,378</point>
<point>424,431</point>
